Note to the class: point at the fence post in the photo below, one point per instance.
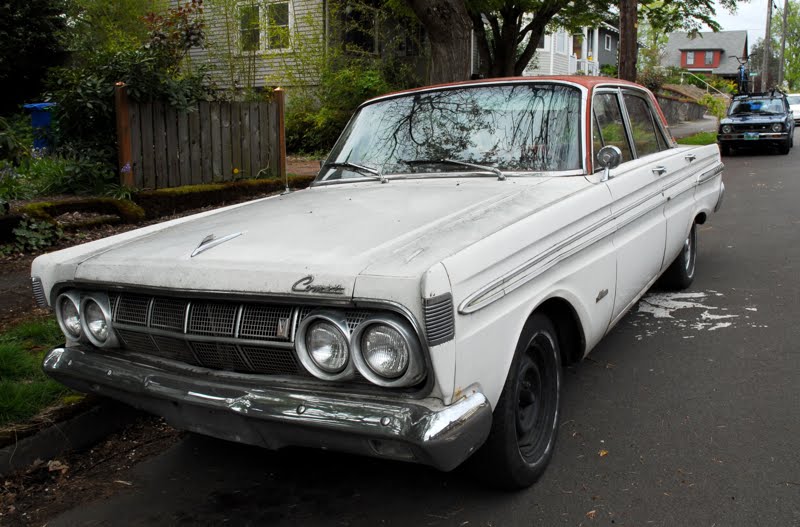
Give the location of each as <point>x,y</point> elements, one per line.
<point>123,135</point>
<point>280,100</point>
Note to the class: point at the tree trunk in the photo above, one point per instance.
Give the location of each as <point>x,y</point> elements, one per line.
<point>628,49</point>
<point>448,25</point>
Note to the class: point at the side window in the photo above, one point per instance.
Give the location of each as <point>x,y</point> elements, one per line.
<point>646,136</point>
<point>609,129</point>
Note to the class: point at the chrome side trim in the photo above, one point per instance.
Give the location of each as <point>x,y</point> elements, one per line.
<point>721,196</point>
<point>710,174</point>
<point>556,254</point>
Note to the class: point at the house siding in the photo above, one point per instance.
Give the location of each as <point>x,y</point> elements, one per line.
<point>281,67</point>
<point>605,56</point>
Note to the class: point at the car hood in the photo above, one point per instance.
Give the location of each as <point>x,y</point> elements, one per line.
<point>332,234</point>
<point>752,119</point>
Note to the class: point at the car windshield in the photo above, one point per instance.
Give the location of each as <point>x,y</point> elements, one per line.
<point>757,105</point>
<point>517,128</point>
<point>793,99</point>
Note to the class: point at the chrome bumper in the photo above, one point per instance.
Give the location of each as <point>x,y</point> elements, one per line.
<point>720,198</point>
<point>418,430</point>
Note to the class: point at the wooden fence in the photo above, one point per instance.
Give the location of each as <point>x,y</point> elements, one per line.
<point>161,147</point>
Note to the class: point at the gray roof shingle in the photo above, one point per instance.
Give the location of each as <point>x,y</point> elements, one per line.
<point>732,43</point>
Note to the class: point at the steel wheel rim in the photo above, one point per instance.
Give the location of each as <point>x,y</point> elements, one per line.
<point>536,399</point>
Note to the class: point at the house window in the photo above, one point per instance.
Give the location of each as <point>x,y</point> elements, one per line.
<point>541,44</point>
<point>709,58</point>
<point>607,42</point>
<point>264,25</point>
<point>561,43</point>
<point>249,30</point>
<point>690,58</point>
<point>277,25</point>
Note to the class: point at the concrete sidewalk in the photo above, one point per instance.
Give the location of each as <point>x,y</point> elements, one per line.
<point>708,123</point>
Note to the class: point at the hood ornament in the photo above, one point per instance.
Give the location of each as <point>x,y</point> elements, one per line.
<point>212,241</point>
<point>304,286</point>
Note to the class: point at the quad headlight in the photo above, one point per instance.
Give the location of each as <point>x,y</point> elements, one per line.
<point>777,127</point>
<point>323,345</point>
<point>383,348</point>
<point>96,320</point>
<point>387,352</point>
<point>69,315</point>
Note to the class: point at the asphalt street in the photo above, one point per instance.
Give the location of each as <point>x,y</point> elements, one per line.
<point>687,414</point>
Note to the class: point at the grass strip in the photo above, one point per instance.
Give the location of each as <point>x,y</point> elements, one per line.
<point>24,389</point>
<point>700,138</point>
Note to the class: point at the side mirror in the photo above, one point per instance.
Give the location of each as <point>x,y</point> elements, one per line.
<point>607,158</point>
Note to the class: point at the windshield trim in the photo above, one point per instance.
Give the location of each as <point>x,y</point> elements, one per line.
<point>471,174</point>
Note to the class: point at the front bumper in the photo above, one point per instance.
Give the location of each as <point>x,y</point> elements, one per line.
<point>420,430</point>
<point>744,139</point>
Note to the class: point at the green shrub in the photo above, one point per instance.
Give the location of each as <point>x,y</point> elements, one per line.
<point>32,235</point>
<point>609,70</point>
<point>16,137</point>
<point>716,105</point>
<point>652,79</point>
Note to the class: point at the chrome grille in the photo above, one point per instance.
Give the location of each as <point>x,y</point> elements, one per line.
<point>439,319</point>
<point>265,322</point>
<point>212,318</point>
<point>38,292</point>
<point>219,356</point>
<point>132,309</point>
<point>246,337</point>
<point>168,314</point>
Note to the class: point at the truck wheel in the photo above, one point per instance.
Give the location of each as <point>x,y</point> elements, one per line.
<point>680,273</point>
<point>525,420</point>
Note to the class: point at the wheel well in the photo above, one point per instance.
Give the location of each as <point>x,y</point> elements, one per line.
<point>571,338</point>
<point>700,218</point>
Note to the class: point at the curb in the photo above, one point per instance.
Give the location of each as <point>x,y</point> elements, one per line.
<point>76,433</point>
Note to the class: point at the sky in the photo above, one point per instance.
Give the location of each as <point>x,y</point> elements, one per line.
<point>751,16</point>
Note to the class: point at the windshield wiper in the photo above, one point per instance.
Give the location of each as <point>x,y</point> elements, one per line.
<point>370,172</point>
<point>496,171</point>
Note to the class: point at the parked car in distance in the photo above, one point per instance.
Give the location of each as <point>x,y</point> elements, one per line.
<point>757,120</point>
<point>459,247</point>
<point>794,106</point>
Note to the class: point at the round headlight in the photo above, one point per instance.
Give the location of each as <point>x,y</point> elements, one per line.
<point>777,127</point>
<point>327,347</point>
<point>385,351</point>
<point>70,316</point>
<point>95,320</point>
<point>726,129</point>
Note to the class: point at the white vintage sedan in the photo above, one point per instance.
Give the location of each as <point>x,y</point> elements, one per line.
<point>460,246</point>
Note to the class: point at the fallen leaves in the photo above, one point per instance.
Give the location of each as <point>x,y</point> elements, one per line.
<point>603,452</point>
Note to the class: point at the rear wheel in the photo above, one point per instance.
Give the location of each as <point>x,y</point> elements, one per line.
<point>525,419</point>
<point>680,273</point>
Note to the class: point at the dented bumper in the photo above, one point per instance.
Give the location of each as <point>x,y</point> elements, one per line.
<point>418,430</point>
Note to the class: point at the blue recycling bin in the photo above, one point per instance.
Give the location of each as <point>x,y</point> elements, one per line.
<point>41,120</point>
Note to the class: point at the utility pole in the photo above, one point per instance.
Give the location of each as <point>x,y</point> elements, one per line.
<point>767,48</point>
<point>783,41</point>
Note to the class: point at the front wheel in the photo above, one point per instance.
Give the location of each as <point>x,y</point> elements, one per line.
<point>725,150</point>
<point>680,274</point>
<point>525,420</point>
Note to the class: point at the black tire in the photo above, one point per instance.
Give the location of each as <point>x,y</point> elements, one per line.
<point>785,147</point>
<point>525,420</point>
<point>680,274</point>
<point>725,150</point>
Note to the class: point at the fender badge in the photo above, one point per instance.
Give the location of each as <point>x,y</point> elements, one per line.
<point>211,241</point>
<point>304,286</point>
<point>601,295</point>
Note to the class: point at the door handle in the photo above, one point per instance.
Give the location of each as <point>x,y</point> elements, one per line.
<point>690,157</point>
<point>659,170</point>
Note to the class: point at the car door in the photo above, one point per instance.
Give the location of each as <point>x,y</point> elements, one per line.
<point>637,192</point>
<point>675,169</point>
